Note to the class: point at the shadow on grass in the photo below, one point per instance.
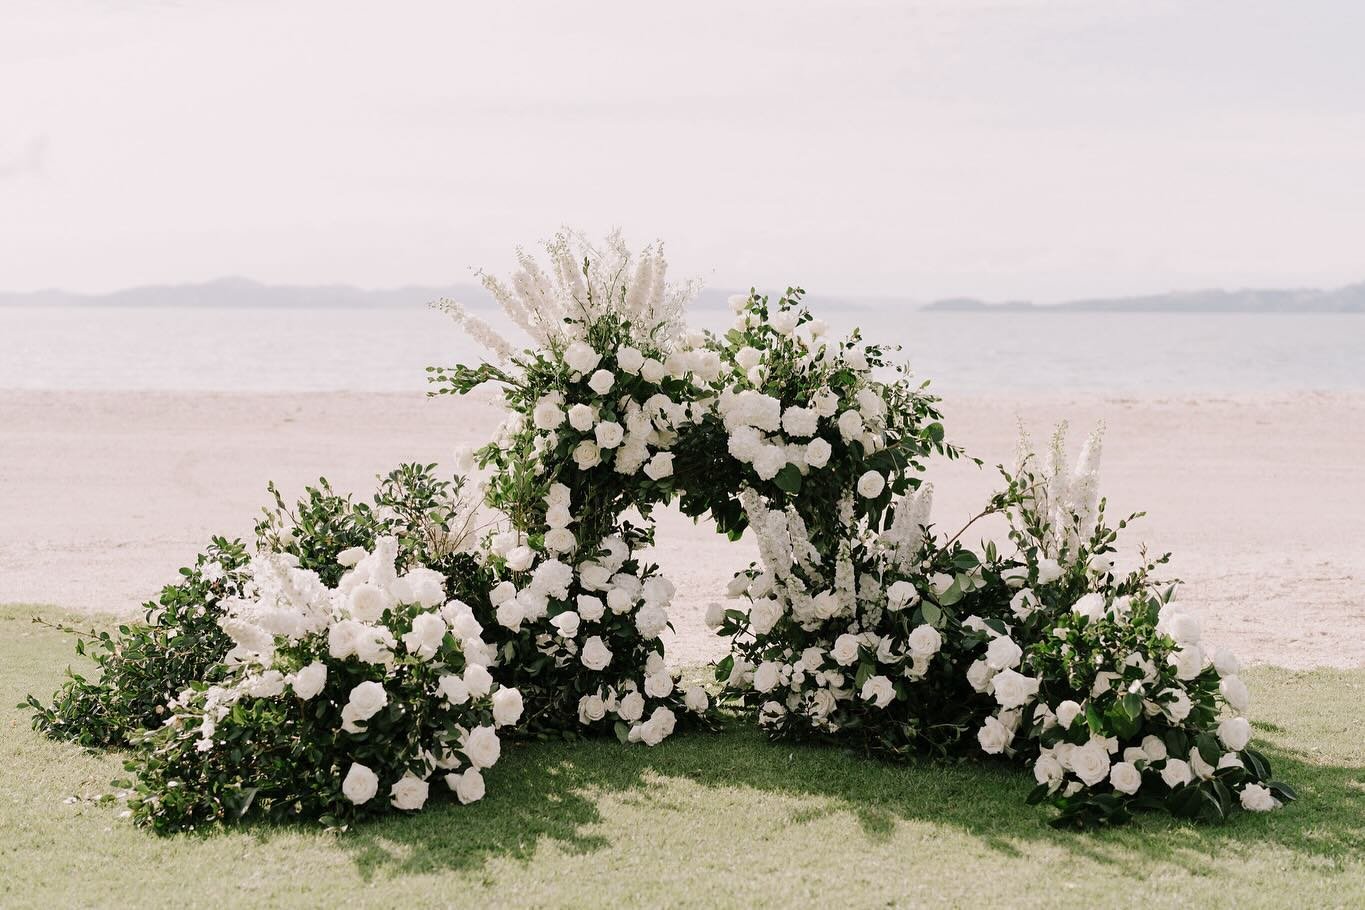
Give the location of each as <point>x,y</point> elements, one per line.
<point>551,792</point>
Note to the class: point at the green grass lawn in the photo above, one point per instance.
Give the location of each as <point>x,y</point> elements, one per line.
<point>722,819</point>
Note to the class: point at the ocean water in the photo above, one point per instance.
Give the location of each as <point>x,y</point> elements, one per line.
<point>258,349</point>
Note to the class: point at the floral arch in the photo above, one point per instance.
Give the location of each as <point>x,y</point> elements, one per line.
<point>364,651</point>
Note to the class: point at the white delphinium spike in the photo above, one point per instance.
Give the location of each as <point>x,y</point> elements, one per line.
<point>1023,448</point>
<point>637,297</point>
<point>1052,496</point>
<point>537,298</point>
<point>477,329</point>
<point>568,269</point>
<point>807,556</point>
<point>907,533</point>
<point>780,536</point>
<point>845,580</point>
<point>1083,493</point>
<point>513,306</point>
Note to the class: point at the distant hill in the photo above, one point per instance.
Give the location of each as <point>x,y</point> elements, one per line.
<point>243,292</point>
<point>1349,299</point>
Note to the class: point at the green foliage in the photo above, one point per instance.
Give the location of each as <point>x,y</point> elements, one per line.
<point>180,642</point>
<point>147,663</point>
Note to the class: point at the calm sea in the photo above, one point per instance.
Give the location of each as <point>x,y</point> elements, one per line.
<point>254,349</point>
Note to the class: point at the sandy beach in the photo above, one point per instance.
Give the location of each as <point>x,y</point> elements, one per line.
<point>105,494</point>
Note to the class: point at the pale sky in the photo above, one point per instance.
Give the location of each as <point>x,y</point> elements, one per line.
<point>996,148</point>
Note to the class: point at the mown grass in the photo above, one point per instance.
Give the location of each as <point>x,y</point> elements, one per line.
<point>703,820</point>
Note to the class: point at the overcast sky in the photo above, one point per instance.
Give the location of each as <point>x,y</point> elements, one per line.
<point>1009,149</point>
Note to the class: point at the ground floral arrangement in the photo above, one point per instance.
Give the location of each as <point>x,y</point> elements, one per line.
<point>362,652</point>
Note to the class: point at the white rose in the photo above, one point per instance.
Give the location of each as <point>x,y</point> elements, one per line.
<point>659,685</point>
<point>595,654</point>
<point>350,556</point>
<point>741,673</point>
<point>477,680</point>
<point>594,576</point>
<point>651,621</point>
<point>1256,798</point>
<point>764,615</point>
<point>766,676</point>
<point>783,322</point>
<point>1024,603</point>
<point>366,700</point>
<point>925,641</point>
<point>1013,689</point>
<point>845,650</point>
<point>1002,653</point>
<point>468,787</point>
<point>817,453</point>
<point>696,700</point>
<point>879,690</point>
<point>428,631</point>
<point>566,623</point>
<point>1185,628</point>
<point>1202,769</point>
<point>901,594</point>
<point>309,681</point>
<point>1091,606</point>
<point>609,434</point>
<point>587,455</point>
<point>548,415</point>
<point>659,466</point>
<point>481,747</point>
<point>629,360</point>
<point>1235,692</point>
<point>360,784</point>
<point>591,708</point>
<point>1101,563</point>
<point>1176,772</point>
<point>652,370</point>
<point>560,540</point>
<point>994,736</point>
<point>871,485</point>
<point>510,614</point>
<point>409,793</point>
<point>715,615</point>
<point>1235,732</point>
<point>590,608</point>
<point>367,602</point>
<point>1125,778</point>
<point>1047,770</point>
<point>601,382</point>
<point>502,591</point>
<point>582,417</point>
<point>1048,571</point>
<point>453,689</point>
<point>1090,762</point>
<point>580,357</point>
<point>979,675</point>
<point>632,707</point>
<point>1067,712</point>
<point>1188,661</point>
<point>1226,663</point>
<point>507,707</point>
<point>1153,748</point>
<point>519,559</point>
<point>1178,707</point>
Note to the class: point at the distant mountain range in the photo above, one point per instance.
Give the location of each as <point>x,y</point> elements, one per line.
<point>1349,299</point>
<point>243,292</point>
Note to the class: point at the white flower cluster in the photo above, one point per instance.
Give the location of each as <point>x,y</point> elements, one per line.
<point>297,640</point>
